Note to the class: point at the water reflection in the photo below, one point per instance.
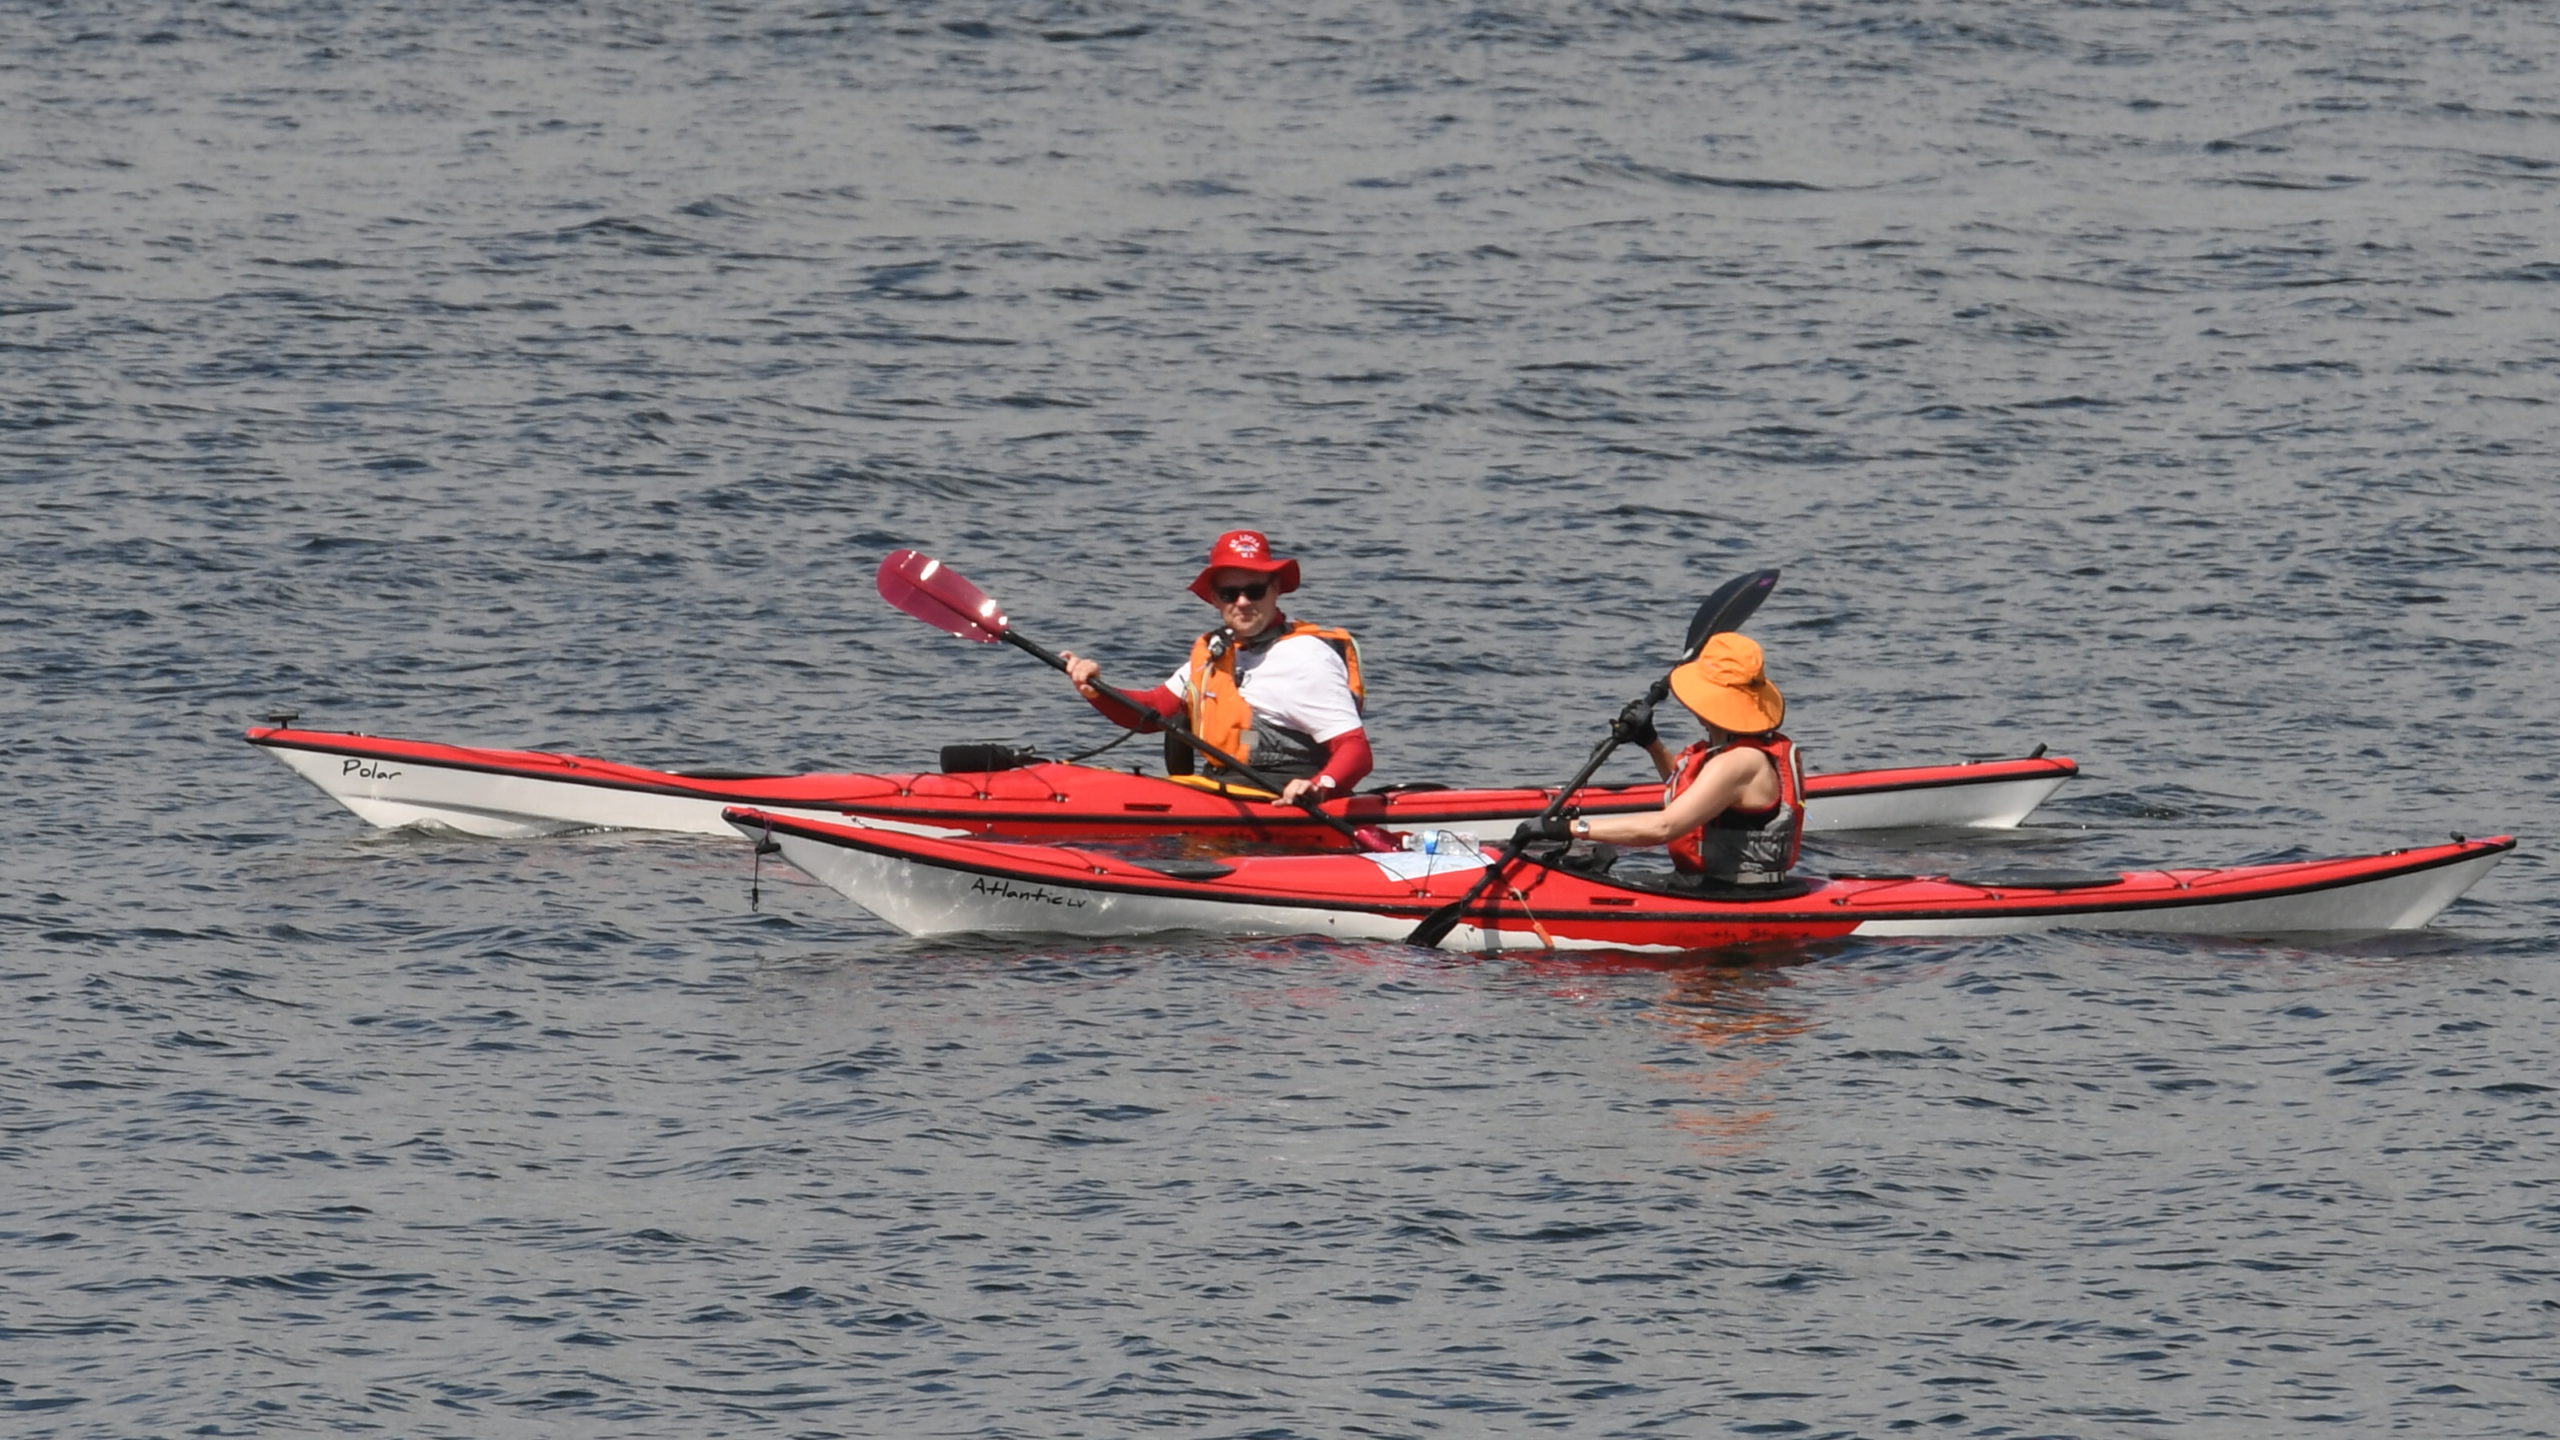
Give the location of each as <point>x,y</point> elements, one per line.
<point>1734,1014</point>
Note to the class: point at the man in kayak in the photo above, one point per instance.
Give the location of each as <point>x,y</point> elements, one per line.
<point>1282,695</point>
<point>1733,803</point>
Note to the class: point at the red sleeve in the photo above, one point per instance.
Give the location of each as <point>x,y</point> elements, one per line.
<point>1161,700</point>
<point>1347,759</point>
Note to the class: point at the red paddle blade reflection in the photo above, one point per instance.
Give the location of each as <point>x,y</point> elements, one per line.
<point>940,597</point>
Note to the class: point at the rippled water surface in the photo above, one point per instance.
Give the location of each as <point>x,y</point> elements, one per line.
<point>2171,384</point>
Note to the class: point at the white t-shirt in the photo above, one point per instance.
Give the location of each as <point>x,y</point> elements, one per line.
<point>1300,682</point>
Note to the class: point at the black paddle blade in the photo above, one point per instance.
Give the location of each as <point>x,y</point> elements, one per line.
<point>1431,932</point>
<point>1726,609</point>
<point>940,597</point>
<point>1435,927</point>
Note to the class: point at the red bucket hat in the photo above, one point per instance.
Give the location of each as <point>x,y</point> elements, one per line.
<point>1244,550</point>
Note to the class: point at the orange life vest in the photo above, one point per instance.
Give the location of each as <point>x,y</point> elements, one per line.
<point>1220,716</point>
<point>1742,847</point>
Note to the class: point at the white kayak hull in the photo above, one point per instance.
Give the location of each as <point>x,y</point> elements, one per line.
<point>503,806</point>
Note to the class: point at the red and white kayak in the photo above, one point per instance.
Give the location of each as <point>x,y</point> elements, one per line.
<point>516,793</point>
<point>926,885</point>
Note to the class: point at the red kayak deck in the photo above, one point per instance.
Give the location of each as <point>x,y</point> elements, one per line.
<point>928,885</point>
<point>393,781</point>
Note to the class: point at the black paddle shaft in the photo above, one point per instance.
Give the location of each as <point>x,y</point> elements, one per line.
<point>1309,804</point>
<point>1726,609</point>
<point>1436,926</point>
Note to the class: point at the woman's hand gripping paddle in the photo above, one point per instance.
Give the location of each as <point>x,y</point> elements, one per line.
<point>944,599</point>
<point>1726,609</point>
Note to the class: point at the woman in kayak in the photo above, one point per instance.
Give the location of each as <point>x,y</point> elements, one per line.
<point>1282,695</point>
<point>1733,803</point>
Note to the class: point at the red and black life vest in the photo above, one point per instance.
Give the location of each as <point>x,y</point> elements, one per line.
<point>1738,846</point>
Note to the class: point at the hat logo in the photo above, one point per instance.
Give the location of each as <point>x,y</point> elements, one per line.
<point>1245,550</point>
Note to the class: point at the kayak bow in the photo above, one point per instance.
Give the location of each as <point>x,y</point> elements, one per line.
<point>926,885</point>
<point>511,794</point>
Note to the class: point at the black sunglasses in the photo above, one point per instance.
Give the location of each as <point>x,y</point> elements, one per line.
<point>1228,594</point>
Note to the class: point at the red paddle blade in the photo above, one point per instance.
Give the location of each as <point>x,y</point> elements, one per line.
<point>940,597</point>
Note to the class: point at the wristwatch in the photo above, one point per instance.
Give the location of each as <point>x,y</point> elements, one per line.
<point>1581,828</point>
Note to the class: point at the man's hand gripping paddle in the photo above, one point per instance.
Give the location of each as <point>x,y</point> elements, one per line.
<point>944,599</point>
<point>1726,609</point>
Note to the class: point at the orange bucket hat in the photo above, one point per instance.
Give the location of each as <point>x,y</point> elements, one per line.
<point>1727,687</point>
<point>1244,550</point>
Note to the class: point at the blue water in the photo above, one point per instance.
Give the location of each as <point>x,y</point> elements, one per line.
<point>2171,384</point>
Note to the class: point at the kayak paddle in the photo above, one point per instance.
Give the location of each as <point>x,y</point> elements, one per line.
<point>1726,609</point>
<point>944,599</point>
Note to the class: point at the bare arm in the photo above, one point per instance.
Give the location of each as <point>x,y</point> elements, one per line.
<point>1736,777</point>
